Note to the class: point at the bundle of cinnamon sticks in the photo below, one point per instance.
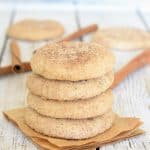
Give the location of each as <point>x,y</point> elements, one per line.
<point>18,66</point>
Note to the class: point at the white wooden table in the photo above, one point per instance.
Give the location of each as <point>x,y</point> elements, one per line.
<point>132,97</point>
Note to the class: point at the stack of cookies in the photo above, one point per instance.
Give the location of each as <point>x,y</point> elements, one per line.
<point>69,95</point>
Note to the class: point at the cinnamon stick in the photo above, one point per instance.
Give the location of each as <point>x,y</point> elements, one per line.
<point>134,64</point>
<point>8,69</point>
<point>26,66</point>
<point>16,61</point>
<point>81,32</point>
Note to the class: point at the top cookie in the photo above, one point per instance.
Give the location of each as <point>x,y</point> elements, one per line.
<point>125,38</point>
<point>72,61</point>
<point>35,30</point>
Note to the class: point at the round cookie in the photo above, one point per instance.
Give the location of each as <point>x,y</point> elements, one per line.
<point>69,128</point>
<point>68,90</point>
<point>78,109</point>
<point>123,38</point>
<point>35,30</point>
<point>72,61</point>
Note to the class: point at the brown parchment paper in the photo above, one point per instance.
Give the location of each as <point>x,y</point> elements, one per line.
<point>47,146</point>
<point>121,129</point>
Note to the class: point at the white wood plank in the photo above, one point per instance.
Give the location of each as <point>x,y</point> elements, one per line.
<point>13,87</point>
<point>143,5</point>
<point>109,18</point>
<point>4,22</point>
<point>131,97</point>
<point>124,5</point>
<point>146,17</point>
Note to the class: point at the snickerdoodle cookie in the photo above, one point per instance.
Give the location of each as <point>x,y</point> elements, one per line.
<point>69,128</point>
<point>72,61</point>
<point>69,90</point>
<point>34,30</point>
<point>125,38</point>
<point>77,109</point>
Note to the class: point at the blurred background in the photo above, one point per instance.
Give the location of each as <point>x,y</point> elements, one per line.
<point>111,4</point>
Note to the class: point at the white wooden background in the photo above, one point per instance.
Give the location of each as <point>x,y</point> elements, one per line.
<point>132,97</point>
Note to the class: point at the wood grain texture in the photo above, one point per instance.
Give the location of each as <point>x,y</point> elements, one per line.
<point>5,22</point>
<point>145,16</point>
<point>131,97</point>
